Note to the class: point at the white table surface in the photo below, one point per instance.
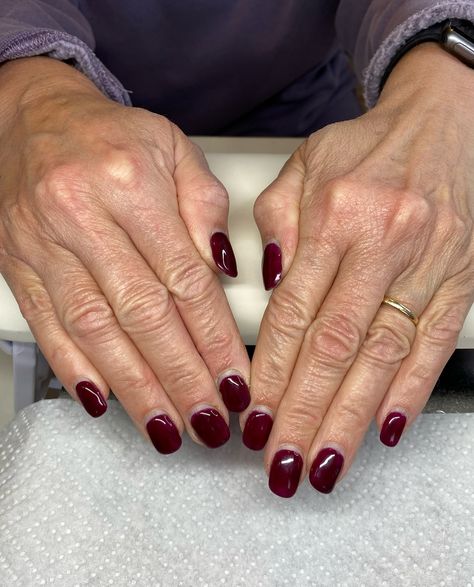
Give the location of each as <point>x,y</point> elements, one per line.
<point>245,166</point>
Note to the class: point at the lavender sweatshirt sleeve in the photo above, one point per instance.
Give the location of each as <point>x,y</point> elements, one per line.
<point>372,31</point>
<point>55,28</point>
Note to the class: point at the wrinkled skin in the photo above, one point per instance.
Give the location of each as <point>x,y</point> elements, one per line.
<point>106,215</point>
<point>378,205</point>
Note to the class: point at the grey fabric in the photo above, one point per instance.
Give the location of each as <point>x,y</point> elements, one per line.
<point>226,66</point>
<point>394,30</point>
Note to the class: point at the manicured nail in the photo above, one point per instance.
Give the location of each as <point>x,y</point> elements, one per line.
<point>235,393</point>
<point>271,266</point>
<point>91,398</point>
<point>257,430</point>
<point>325,469</point>
<point>392,428</point>
<point>163,434</point>
<point>211,427</point>
<point>285,472</point>
<point>223,254</point>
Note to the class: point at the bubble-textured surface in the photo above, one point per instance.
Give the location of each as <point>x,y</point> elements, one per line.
<point>90,502</point>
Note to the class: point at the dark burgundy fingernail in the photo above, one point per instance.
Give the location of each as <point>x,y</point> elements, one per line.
<point>285,472</point>
<point>392,428</point>
<point>325,469</point>
<point>211,427</point>
<point>164,434</point>
<point>257,430</point>
<point>91,398</point>
<point>223,254</point>
<point>271,266</point>
<point>235,393</point>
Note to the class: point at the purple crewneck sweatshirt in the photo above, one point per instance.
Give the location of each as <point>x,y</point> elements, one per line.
<point>229,67</point>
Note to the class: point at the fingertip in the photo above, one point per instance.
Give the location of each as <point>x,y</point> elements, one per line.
<point>272,266</point>
<point>392,428</point>
<point>223,254</point>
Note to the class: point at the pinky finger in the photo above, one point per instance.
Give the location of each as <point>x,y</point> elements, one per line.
<point>435,342</point>
<point>69,364</point>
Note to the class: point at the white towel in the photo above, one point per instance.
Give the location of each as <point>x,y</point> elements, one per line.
<point>90,502</point>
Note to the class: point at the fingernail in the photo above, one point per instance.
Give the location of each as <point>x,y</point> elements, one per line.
<point>257,430</point>
<point>211,427</point>
<point>235,393</point>
<point>285,472</point>
<point>392,428</point>
<point>91,398</point>
<point>325,469</point>
<point>164,434</point>
<point>223,254</point>
<point>271,267</point>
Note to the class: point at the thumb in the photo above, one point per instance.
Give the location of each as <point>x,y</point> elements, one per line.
<point>276,212</point>
<point>204,206</point>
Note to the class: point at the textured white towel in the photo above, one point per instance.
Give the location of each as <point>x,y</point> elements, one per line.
<point>89,502</point>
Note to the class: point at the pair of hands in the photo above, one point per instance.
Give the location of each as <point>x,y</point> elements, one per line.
<point>113,230</point>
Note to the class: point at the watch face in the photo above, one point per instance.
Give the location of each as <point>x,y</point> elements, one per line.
<point>460,46</point>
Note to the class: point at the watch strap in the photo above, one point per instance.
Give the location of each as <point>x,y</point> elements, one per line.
<point>435,34</point>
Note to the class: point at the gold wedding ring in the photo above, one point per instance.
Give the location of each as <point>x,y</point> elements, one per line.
<point>401,308</point>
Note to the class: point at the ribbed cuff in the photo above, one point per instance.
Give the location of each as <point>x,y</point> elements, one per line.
<point>397,38</point>
<point>62,46</point>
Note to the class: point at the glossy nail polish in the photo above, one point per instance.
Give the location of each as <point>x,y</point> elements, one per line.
<point>163,434</point>
<point>235,393</point>
<point>285,472</point>
<point>223,254</point>
<point>271,266</point>
<point>257,430</point>
<point>392,428</point>
<point>91,398</point>
<point>211,427</point>
<point>325,469</point>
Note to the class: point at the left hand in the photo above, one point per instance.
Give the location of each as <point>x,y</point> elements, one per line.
<point>380,205</point>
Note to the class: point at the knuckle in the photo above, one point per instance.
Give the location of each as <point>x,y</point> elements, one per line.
<point>287,314</point>
<point>143,308</point>
<point>211,192</point>
<point>270,379</point>
<point>88,316</point>
<point>62,190</point>
<point>260,208</point>
<point>34,304</point>
<point>386,345</point>
<point>407,213</point>
<point>305,414</point>
<point>220,344</point>
<point>189,280</point>
<point>351,414</point>
<point>135,382</point>
<point>334,340</point>
<point>443,326</point>
<point>124,168</point>
<point>57,183</point>
<point>185,383</point>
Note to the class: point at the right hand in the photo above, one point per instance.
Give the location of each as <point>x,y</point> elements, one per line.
<point>107,214</point>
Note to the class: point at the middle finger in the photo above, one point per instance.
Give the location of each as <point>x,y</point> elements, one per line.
<point>330,347</point>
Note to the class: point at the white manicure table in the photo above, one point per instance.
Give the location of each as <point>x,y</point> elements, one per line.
<point>245,166</point>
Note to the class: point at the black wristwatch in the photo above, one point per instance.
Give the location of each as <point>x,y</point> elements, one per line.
<point>455,36</point>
